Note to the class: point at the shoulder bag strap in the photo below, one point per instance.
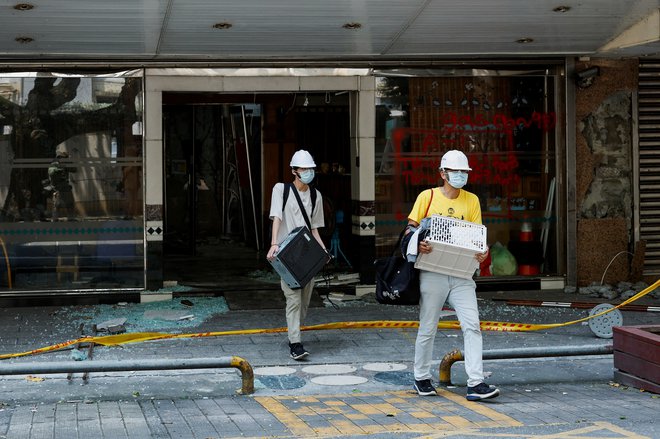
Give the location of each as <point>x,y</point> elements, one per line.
<point>429,206</point>
<point>302,208</point>
<point>285,195</point>
<point>398,242</point>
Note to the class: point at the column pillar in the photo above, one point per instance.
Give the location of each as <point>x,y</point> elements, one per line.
<point>153,185</point>
<point>363,215</point>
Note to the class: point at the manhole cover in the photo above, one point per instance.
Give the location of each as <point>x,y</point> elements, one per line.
<point>602,325</point>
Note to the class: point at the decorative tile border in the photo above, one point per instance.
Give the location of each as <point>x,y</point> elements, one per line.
<point>78,231</point>
<point>154,231</point>
<point>364,225</point>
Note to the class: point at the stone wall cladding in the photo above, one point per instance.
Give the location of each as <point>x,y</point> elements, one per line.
<point>603,180</point>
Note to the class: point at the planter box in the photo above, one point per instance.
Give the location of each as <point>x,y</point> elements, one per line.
<point>637,356</point>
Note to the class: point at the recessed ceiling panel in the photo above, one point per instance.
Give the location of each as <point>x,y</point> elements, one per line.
<point>280,30</point>
<point>479,27</point>
<point>82,27</point>
<point>291,27</point>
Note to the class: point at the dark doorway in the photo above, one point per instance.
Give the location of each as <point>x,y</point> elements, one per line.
<point>212,175</point>
<point>222,158</point>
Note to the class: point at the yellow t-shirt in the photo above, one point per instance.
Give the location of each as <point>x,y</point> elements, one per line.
<point>465,207</point>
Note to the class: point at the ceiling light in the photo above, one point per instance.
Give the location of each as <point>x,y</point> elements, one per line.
<point>223,25</point>
<point>525,40</point>
<point>352,26</point>
<point>562,9</point>
<point>23,7</point>
<point>24,40</point>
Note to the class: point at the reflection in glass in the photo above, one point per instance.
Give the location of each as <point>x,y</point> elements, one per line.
<point>71,195</point>
<point>506,126</point>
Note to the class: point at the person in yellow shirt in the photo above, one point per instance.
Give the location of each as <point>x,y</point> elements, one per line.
<point>453,201</point>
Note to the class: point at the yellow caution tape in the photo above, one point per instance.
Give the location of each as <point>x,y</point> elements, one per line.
<point>138,337</point>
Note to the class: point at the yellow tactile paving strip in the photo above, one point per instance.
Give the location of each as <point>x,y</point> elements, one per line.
<point>596,430</point>
<point>370,413</point>
<point>448,416</point>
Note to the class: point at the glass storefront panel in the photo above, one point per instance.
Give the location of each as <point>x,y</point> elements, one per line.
<point>71,188</point>
<point>506,125</point>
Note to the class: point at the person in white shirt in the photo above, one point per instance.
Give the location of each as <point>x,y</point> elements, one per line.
<point>286,218</point>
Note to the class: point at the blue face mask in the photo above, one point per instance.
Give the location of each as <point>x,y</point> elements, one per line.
<point>306,176</point>
<point>457,179</point>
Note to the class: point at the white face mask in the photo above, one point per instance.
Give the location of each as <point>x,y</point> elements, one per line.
<point>306,176</point>
<point>457,179</point>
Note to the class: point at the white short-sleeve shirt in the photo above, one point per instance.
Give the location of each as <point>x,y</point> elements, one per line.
<point>292,217</point>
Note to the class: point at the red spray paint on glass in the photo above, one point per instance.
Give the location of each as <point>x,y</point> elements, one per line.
<point>489,144</point>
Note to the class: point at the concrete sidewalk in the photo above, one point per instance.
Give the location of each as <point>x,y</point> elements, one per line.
<point>355,382</point>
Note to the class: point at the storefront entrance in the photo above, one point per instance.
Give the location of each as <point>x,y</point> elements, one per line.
<point>223,154</point>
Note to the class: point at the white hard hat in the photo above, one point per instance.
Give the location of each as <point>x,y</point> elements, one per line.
<point>455,159</point>
<point>302,159</point>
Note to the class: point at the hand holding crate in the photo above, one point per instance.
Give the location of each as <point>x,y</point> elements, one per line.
<point>454,242</point>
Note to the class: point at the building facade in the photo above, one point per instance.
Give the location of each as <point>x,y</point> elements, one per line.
<point>106,174</point>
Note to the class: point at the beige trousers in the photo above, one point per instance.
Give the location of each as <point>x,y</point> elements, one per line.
<point>297,303</point>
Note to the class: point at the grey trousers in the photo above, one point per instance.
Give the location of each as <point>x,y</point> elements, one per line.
<point>435,289</point>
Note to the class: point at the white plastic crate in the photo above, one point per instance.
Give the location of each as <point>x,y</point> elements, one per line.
<point>454,242</point>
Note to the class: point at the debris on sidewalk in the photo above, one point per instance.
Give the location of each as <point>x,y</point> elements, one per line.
<point>149,316</point>
<point>342,297</point>
<point>114,326</point>
<point>78,355</point>
<point>34,379</point>
<point>623,290</point>
<point>268,276</point>
<point>337,279</point>
<point>168,315</point>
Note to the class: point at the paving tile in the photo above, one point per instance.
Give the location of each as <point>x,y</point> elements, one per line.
<point>112,423</point>
<point>173,421</point>
<point>89,421</point>
<point>134,420</point>
<point>42,430</point>
<point>196,419</point>
<point>5,418</point>
<point>20,423</point>
<point>152,418</point>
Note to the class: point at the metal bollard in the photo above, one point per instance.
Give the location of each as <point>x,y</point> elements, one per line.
<point>497,354</point>
<point>239,363</point>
